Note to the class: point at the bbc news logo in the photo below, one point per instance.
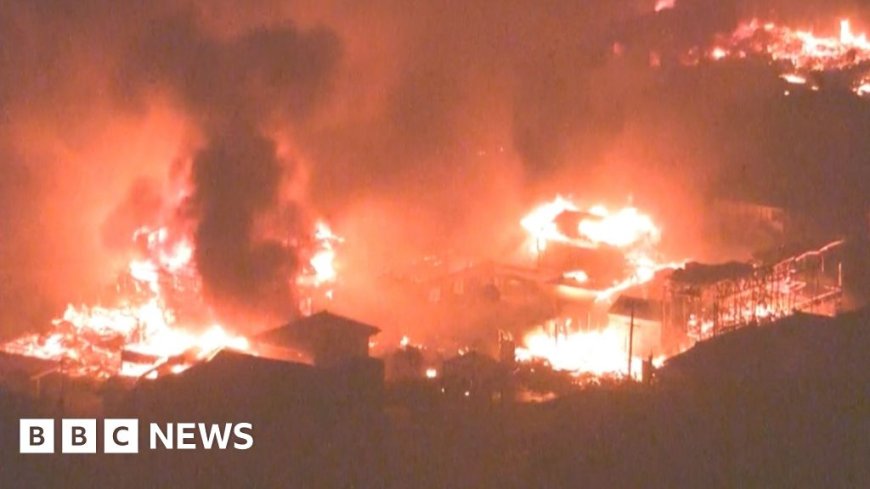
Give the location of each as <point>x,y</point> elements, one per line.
<point>122,436</point>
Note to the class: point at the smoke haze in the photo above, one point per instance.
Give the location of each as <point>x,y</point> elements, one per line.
<point>412,126</point>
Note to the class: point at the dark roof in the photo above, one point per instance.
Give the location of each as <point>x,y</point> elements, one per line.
<point>703,274</point>
<point>321,323</point>
<point>643,308</point>
<point>235,360</point>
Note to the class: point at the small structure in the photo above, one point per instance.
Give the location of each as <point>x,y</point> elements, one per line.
<point>49,384</point>
<point>329,339</point>
<point>602,263</point>
<point>238,385</point>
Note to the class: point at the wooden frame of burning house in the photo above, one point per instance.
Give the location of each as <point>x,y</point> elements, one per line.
<point>702,301</point>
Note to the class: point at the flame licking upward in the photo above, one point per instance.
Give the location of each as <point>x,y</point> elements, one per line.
<point>323,260</point>
<point>625,228</point>
<point>802,51</point>
<point>595,352</point>
<point>598,351</point>
<point>91,340</point>
<point>541,222</point>
<point>622,229</point>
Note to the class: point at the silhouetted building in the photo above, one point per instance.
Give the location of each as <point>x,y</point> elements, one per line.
<point>330,340</point>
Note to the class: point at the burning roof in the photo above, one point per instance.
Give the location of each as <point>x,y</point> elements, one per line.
<point>158,322</point>
<point>251,111</point>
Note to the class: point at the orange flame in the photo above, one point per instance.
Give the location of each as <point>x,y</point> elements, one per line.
<point>595,352</point>
<point>665,5</point>
<point>323,261</point>
<point>93,340</point>
<point>602,351</point>
<point>624,228</point>
<point>801,50</point>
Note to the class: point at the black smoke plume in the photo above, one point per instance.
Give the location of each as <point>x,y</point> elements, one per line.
<point>238,88</point>
<point>455,116</point>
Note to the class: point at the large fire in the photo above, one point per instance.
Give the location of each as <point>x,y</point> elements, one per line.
<point>150,330</point>
<point>602,350</point>
<point>596,352</point>
<point>801,52</point>
<point>625,228</point>
<point>322,261</point>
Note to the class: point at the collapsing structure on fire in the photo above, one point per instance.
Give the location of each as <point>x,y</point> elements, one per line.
<point>317,349</point>
<point>594,298</point>
<point>388,237</point>
<point>230,246</point>
<point>591,297</point>
<point>711,300</point>
<point>154,327</point>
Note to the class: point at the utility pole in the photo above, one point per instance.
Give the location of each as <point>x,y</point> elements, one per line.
<point>630,338</point>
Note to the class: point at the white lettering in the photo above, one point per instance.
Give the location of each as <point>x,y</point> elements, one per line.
<point>212,433</point>
<point>185,432</point>
<point>248,437</point>
<point>165,438</point>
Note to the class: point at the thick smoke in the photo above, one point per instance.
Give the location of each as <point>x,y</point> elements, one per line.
<point>415,127</point>
<point>237,89</point>
<point>236,180</point>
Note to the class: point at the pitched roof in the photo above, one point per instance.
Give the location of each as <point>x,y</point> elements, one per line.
<point>321,323</point>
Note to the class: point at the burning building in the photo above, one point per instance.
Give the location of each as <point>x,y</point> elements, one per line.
<point>599,256</point>
<point>197,146</point>
<point>606,320</point>
<point>155,323</point>
<point>316,349</point>
<point>804,57</point>
<point>713,299</point>
<point>327,339</point>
